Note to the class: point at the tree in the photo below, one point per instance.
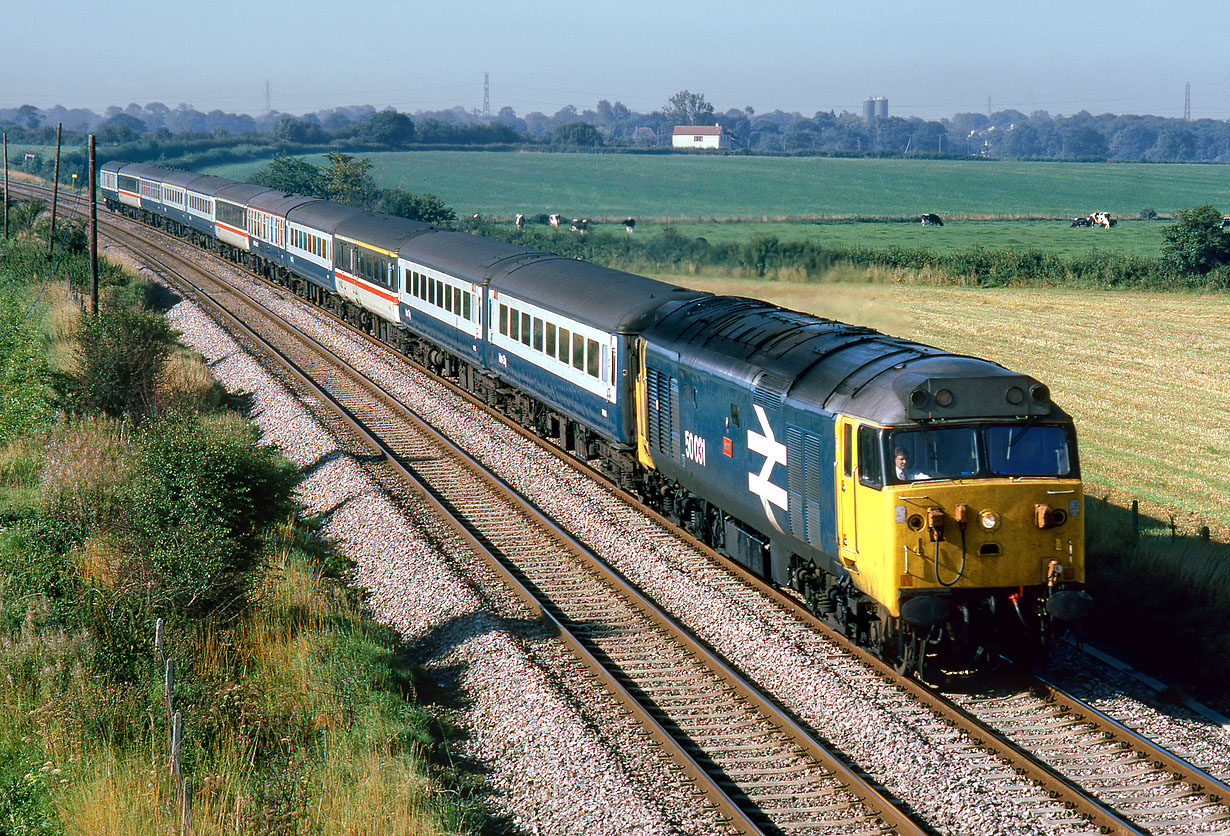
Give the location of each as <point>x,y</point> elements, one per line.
<point>121,128</point>
<point>1175,143</point>
<point>291,174</point>
<point>425,207</point>
<point>299,131</point>
<point>347,181</point>
<point>28,116</point>
<point>388,127</point>
<point>577,133</point>
<point>686,108</point>
<point>1196,242</point>
<point>1084,141</point>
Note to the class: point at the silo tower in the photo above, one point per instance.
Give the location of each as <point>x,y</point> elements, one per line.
<point>882,107</point>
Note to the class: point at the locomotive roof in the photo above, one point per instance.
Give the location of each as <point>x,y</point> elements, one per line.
<point>323,215</point>
<point>279,202</point>
<point>377,230</point>
<point>460,254</point>
<point>240,193</point>
<point>612,300</point>
<point>843,368</point>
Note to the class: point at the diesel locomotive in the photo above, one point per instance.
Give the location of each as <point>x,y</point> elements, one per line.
<point>927,504</point>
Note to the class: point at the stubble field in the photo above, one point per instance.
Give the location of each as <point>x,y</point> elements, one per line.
<point>1145,376</point>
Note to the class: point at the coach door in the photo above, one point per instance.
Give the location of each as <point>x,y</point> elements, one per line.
<point>847,482</point>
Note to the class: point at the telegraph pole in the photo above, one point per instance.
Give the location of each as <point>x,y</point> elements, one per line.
<point>93,232</point>
<point>6,184</point>
<point>55,194</point>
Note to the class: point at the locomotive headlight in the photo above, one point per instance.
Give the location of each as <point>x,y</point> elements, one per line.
<point>989,520</point>
<point>943,397</point>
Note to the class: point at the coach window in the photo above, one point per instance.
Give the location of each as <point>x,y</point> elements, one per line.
<point>578,352</point>
<point>594,358</point>
<point>537,334</point>
<point>870,469</point>
<point>563,346</point>
<point>514,325</point>
<point>466,300</point>
<point>503,319</point>
<point>525,328</point>
<point>551,339</point>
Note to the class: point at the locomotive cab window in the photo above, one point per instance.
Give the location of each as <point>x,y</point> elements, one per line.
<point>870,469</point>
<point>1028,450</point>
<point>734,415</point>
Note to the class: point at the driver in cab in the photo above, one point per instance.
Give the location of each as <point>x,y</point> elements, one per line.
<point>905,473</point>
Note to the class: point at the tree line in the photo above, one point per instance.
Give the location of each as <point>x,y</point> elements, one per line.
<point>159,129</point>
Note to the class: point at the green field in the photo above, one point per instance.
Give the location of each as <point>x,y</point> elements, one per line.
<point>691,187</point>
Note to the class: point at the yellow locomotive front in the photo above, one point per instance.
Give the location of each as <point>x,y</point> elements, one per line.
<point>967,530</point>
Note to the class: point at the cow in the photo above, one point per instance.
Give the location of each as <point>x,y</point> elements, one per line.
<point>519,221</point>
<point>931,219</point>
<point>1081,222</point>
<point>580,224</point>
<point>1102,219</point>
<point>553,220</point>
<point>630,225</point>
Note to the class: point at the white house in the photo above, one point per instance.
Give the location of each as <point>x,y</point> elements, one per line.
<point>701,136</point>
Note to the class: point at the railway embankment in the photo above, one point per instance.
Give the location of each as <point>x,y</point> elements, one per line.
<point>178,643</point>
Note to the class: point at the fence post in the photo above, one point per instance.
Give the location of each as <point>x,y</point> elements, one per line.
<point>185,816</point>
<point>166,692</point>
<point>177,731</point>
<point>1204,533</point>
<point>158,640</point>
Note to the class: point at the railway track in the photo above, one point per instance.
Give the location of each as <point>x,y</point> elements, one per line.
<point>761,771</point>
<point>1066,758</point>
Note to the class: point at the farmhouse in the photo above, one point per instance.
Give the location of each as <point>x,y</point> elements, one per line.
<point>701,136</point>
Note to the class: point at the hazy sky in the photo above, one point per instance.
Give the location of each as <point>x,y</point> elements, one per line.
<point>930,59</point>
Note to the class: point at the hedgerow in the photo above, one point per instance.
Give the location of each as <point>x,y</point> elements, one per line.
<point>767,255</point>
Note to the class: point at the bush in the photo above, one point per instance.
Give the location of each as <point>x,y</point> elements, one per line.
<point>204,492</point>
<point>120,355</point>
<point>1195,242</point>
